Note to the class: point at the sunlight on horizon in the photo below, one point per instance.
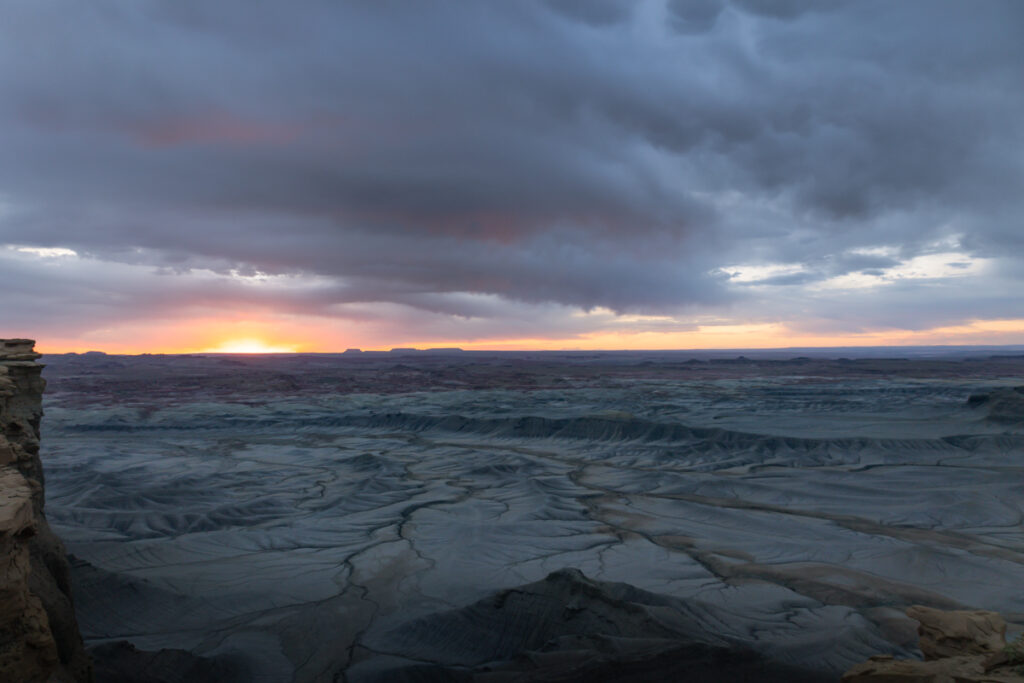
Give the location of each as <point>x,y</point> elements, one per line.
<point>249,346</point>
<point>283,334</point>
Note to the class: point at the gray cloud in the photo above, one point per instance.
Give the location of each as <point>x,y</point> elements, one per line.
<point>545,153</point>
<point>787,9</point>
<point>693,16</point>
<point>594,12</point>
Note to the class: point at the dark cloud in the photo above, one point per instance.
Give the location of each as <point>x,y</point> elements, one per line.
<point>599,154</point>
<point>594,12</point>
<point>693,16</point>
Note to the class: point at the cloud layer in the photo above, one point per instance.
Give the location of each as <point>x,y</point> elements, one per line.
<point>510,163</point>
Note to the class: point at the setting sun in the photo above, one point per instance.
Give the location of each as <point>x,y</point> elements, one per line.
<point>249,346</point>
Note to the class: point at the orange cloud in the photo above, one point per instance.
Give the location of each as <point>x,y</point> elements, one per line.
<point>757,336</point>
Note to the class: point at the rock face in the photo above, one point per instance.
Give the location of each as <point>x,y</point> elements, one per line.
<point>39,638</point>
<point>956,633</point>
<point>958,647</point>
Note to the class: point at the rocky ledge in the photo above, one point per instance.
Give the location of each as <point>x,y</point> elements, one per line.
<point>39,637</point>
<point>958,647</point>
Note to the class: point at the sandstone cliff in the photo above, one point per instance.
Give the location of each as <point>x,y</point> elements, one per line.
<point>39,638</point>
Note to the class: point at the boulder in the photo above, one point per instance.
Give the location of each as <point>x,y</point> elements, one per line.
<point>955,633</point>
<point>958,646</point>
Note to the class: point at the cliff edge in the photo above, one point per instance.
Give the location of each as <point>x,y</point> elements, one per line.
<point>39,637</point>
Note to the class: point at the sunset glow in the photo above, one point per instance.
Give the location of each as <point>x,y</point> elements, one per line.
<point>291,335</point>
<point>250,346</point>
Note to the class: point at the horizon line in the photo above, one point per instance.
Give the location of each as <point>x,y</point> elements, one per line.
<point>398,350</point>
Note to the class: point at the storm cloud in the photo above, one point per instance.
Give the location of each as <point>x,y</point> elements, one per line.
<point>751,159</point>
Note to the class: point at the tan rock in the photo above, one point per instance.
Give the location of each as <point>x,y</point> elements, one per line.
<point>18,349</point>
<point>886,669</point>
<point>39,638</point>
<point>955,633</point>
<point>28,651</point>
<point>16,517</point>
<point>959,647</point>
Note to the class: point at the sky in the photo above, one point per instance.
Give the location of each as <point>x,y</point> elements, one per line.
<point>186,175</point>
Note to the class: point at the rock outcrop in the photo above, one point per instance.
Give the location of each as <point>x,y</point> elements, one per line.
<point>39,637</point>
<point>956,633</point>
<point>568,628</point>
<point>958,647</point>
<point>122,662</point>
<point>1003,406</point>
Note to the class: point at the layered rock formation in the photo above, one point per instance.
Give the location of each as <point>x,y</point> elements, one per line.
<point>958,647</point>
<point>39,637</point>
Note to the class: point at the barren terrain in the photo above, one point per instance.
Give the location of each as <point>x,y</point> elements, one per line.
<point>342,516</point>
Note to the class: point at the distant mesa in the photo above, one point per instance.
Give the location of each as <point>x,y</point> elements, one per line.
<point>403,349</point>
<point>353,350</point>
<point>445,349</point>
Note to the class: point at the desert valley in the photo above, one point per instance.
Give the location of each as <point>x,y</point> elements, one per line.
<point>511,516</point>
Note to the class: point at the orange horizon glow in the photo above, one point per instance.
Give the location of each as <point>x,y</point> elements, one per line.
<point>249,346</point>
<point>325,336</point>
